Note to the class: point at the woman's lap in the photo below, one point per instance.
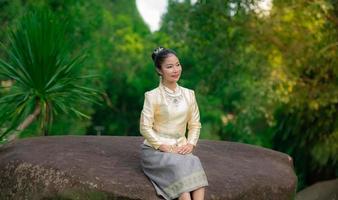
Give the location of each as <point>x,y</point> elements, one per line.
<point>172,173</point>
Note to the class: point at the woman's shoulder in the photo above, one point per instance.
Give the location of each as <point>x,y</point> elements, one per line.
<point>153,95</point>
<point>153,92</point>
<point>187,91</point>
<point>189,94</point>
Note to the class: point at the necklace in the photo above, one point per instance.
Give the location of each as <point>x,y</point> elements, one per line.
<point>173,98</point>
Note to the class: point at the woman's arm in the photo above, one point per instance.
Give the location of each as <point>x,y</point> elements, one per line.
<point>194,127</point>
<point>146,126</point>
<point>194,124</point>
<point>147,120</point>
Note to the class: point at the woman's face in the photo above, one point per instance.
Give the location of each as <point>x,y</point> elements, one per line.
<point>171,69</point>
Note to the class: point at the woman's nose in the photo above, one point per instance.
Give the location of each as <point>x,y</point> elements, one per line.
<point>177,69</point>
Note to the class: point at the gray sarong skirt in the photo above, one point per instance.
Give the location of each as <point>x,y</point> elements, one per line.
<point>171,173</point>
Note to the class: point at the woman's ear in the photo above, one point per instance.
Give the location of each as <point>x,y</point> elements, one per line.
<point>159,71</point>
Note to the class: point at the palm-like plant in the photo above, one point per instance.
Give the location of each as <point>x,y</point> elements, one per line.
<point>45,80</point>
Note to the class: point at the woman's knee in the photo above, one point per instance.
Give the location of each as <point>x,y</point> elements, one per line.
<point>185,196</point>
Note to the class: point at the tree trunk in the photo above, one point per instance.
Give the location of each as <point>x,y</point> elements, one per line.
<point>26,122</point>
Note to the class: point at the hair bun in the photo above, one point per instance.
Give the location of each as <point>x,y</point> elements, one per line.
<point>156,52</point>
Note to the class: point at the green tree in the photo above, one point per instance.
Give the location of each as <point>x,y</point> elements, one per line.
<point>305,41</point>
<point>269,80</point>
<point>45,81</point>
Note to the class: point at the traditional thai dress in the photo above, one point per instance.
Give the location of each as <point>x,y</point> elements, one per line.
<point>164,119</point>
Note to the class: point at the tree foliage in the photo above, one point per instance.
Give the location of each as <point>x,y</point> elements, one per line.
<point>44,80</point>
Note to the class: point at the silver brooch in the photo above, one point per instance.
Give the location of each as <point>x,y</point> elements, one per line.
<point>174,100</point>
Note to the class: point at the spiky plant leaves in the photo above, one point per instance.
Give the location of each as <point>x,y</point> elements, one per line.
<point>45,80</point>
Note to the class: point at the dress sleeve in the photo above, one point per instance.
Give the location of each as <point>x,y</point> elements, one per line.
<point>194,124</point>
<point>147,120</point>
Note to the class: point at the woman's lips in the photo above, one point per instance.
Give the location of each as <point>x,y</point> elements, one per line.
<point>175,76</point>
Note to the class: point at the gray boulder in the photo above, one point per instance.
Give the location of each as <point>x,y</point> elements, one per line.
<point>108,167</point>
<point>324,190</point>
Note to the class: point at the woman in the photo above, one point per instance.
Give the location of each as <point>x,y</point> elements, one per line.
<point>166,153</point>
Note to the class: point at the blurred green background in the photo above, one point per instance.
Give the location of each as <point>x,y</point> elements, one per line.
<point>263,78</point>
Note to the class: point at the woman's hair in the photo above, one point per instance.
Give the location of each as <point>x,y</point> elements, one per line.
<point>160,54</point>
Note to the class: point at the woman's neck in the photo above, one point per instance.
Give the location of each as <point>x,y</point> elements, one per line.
<point>170,85</point>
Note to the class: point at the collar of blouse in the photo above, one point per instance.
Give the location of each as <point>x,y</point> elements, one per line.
<point>171,96</point>
<point>176,92</point>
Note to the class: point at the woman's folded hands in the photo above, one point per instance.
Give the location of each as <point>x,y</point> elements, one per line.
<point>185,149</point>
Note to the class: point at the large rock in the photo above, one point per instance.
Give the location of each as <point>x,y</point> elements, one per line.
<point>324,190</point>
<point>106,167</point>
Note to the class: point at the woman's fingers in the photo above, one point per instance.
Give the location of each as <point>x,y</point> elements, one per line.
<point>184,149</point>
<point>180,150</point>
<point>174,149</point>
<point>188,150</point>
<point>166,148</point>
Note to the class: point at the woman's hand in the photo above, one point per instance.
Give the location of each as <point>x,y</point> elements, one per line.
<point>168,148</point>
<point>185,149</point>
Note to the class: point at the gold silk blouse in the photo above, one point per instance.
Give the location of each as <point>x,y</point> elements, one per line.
<point>166,114</point>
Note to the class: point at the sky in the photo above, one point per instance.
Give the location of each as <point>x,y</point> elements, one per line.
<point>152,10</point>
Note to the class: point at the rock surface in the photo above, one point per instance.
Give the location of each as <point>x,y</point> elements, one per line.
<point>108,167</point>
<point>325,190</point>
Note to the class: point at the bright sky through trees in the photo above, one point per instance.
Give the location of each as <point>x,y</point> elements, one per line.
<point>152,10</point>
